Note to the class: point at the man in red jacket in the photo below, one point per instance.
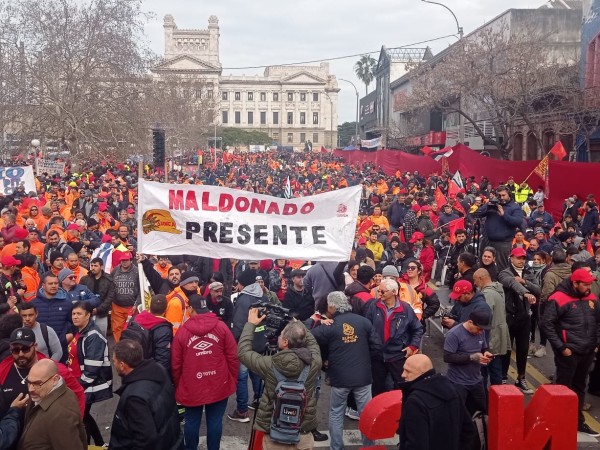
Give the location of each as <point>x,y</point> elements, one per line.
<point>205,370</point>
<point>15,368</point>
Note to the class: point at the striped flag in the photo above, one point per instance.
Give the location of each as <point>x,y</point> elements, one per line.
<point>145,290</point>
<point>288,189</point>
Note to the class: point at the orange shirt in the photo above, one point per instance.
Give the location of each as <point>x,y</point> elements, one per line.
<point>9,250</point>
<point>37,249</point>
<point>32,282</point>
<point>163,272</point>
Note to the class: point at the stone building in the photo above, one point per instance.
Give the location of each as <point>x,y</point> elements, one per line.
<point>292,104</point>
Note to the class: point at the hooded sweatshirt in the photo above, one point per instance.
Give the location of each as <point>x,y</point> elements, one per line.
<point>498,336</point>
<point>204,349</point>
<point>250,294</point>
<point>161,333</point>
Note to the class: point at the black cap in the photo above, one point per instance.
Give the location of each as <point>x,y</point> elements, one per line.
<point>247,277</point>
<point>482,319</point>
<point>297,273</point>
<point>23,336</point>
<point>198,304</point>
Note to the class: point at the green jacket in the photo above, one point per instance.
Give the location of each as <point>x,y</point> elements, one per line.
<point>290,365</point>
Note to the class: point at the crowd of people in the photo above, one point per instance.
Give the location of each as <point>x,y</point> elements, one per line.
<point>519,279</point>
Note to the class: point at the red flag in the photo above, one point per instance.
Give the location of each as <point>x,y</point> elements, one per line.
<point>439,198</point>
<point>426,150</point>
<point>590,247</point>
<point>453,189</point>
<point>458,207</point>
<point>559,151</point>
<point>455,225</point>
<point>364,226</point>
<point>110,175</point>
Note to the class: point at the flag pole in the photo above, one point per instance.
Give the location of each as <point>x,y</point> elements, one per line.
<point>531,173</point>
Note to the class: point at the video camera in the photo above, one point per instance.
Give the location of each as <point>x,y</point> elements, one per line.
<point>276,319</point>
<point>493,203</point>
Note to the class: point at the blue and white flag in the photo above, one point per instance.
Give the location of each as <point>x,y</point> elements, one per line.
<point>288,189</point>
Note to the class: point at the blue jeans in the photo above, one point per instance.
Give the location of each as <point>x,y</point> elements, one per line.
<point>241,393</point>
<point>214,425</point>
<point>337,408</point>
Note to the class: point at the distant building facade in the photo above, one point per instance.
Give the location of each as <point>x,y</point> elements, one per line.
<point>294,105</point>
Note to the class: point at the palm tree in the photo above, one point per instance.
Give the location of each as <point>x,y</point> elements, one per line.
<point>365,70</point>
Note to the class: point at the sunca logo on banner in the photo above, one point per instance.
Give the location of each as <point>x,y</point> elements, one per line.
<point>212,220</point>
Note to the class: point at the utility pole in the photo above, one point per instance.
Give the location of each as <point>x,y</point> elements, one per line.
<point>356,122</point>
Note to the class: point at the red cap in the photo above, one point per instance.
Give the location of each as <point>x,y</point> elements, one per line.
<point>426,208</point>
<point>461,287</point>
<point>9,261</point>
<point>74,226</point>
<point>102,206</point>
<point>362,241</point>
<point>416,236</point>
<point>21,233</point>
<point>130,211</point>
<point>519,252</point>
<point>126,255</point>
<point>415,207</point>
<point>106,238</point>
<point>579,275</point>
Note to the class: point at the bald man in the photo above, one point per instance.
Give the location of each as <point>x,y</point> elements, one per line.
<point>498,337</point>
<point>434,416</point>
<point>52,417</point>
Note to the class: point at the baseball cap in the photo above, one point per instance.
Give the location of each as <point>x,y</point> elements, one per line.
<point>73,227</point>
<point>102,206</point>
<point>362,241</point>
<point>583,276</point>
<point>461,287</point>
<point>481,318</point>
<point>23,336</point>
<point>415,207</point>
<point>425,208</point>
<point>518,252</point>
<point>539,230</point>
<point>416,236</point>
<point>9,261</point>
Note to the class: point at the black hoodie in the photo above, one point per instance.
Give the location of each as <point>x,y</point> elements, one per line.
<point>433,415</point>
<point>146,417</point>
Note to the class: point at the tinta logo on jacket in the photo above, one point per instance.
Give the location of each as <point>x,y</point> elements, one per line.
<point>349,336</point>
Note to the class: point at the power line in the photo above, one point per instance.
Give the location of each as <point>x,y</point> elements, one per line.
<point>338,57</point>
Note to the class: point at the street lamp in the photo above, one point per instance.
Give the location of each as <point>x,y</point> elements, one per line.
<point>460,29</point>
<point>461,119</point>
<point>330,120</point>
<point>356,123</point>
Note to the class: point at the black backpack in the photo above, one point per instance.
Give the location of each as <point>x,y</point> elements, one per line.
<point>289,406</point>
<point>143,336</point>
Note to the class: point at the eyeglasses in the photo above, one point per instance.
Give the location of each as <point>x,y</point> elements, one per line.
<point>382,292</point>
<point>37,384</point>
<point>17,350</point>
<point>72,277</point>
<point>412,268</point>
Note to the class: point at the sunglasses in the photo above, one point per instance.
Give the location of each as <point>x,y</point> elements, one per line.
<point>19,349</point>
<point>412,268</point>
<point>72,277</point>
<point>383,292</point>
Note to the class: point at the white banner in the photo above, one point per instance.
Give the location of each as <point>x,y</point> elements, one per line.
<point>370,143</point>
<point>50,167</point>
<point>13,177</point>
<point>179,219</point>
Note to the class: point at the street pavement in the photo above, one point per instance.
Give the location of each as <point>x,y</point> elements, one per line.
<point>236,435</point>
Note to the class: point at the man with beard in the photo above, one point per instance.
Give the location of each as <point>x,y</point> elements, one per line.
<point>127,293</point>
<point>571,322</point>
<point>14,369</point>
<point>177,307</point>
<point>219,304</point>
<point>433,416</point>
<point>103,286</point>
<point>159,284</point>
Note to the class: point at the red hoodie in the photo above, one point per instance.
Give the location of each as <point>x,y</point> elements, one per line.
<point>66,374</point>
<point>204,361</point>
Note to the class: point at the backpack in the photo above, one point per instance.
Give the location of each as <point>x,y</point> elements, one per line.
<point>141,335</point>
<point>289,406</point>
<point>480,425</point>
<point>44,329</point>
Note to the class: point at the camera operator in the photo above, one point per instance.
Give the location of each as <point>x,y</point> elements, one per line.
<point>502,219</point>
<point>298,348</point>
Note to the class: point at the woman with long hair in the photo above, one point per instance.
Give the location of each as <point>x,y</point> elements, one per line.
<point>414,278</point>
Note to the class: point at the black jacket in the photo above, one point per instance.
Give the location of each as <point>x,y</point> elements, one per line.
<point>301,304</point>
<point>571,321</point>
<point>501,228</point>
<point>157,283</point>
<point>461,311</point>
<point>517,307</point>
<point>351,342</point>
<point>358,296</point>
<point>433,415</point>
<point>146,417</point>
<point>222,309</point>
<point>104,287</point>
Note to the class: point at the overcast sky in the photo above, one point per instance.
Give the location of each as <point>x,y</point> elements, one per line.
<point>271,32</point>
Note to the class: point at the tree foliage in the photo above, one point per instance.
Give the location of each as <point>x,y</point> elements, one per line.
<point>365,70</point>
<point>77,72</point>
<point>346,133</point>
<point>503,78</point>
<point>234,137</point>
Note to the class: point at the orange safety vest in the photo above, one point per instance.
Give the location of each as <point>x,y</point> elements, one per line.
<point>177,313</point>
